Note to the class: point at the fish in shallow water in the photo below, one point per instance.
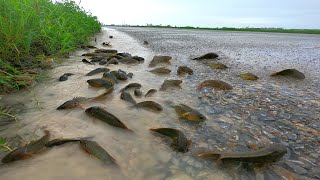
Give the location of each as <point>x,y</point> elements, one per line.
<point>27,150</point>
<point>269,154</point>
<point>93,148</point>
<point>172,83</point>
<point>87,62</point>
<point>120,75</point>
<point>78,101</point>
<point>149,105</point>
<point>179,141</point>
<point>207,56</point>
<point>217,66</point>
<point>160,60</point>
<point>65,76</point>
<point>150,93</point>
<point>184,70</point>
<point>127,97</point>
<point>290,73</point>
<point>248,76</point>
<point>100,83</point>
<point>105,116</point>
<point>130,86</point>
<point>60,141</point>
<point>110,77</point>
<point>97,71</point>
<point>217,85</point>
<point>160,70</point>
<point>189,113</point>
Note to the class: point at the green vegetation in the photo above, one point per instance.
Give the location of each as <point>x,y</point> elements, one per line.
<point>34,32</point>
<point>275,30</point>
<point>4,145</point>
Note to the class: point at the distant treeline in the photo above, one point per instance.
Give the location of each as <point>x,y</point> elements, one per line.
<point>277,30</point>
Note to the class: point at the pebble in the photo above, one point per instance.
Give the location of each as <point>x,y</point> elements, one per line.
<point>292,136</point>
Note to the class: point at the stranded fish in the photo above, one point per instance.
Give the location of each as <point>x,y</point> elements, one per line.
<point>188,113</point>
<point>170,84</point>
<point>97,71</point>
<point>291,73</point>
<point>100,113</point>
<point>149,105</point>
<point>78,101</point>
<point>179,141</point>
<point>248,76</point>
<point>127,97</point>
<point>160,60</point>
<point>184,70</point>
<point>271,153</point>
<point>65,76</point>
<point>60,141</point>
<point>110,77</point>
<point>215,84</point>
<point>150,92</point>
<point>131,85</point>
<point>27,150</point>
<point>160,70</point>
<point>100,83</point>
<point>120,75</point>
<point>207,56</point>
<point>137,92</point>
<point>217,66</point>
<point>93,148</point>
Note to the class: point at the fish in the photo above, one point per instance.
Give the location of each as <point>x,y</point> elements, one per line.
<point>179,141</point>
<point>149,105</point>
<point>290,73</point>
<point>217,85</point>
<point>124,54</point>
<point>217,66</point>
<point>160,60</point>
<point>184,69</point>
<point>75,102</point>
<point>93,148</point>
<point>189,113</point>
<point>28,150</point>
<point>100,83</point>
<point>60,141</point>
<point>119,75</point>
<point>78,101</point>
<point>150,92</point>
<point>248,76</point>
<point>65,76</point>
<point>97,71</point>
<point>138,58</point>
<point>112,51</point>
<point>87,62</point>
<point>127,97</point>
<point>170,84</point>
<point>130,86</point>
<point>210,55</point>
<point>110,77</point>
<point>269,154</point>
<point>112,61</point>
<point>105,116</point>
<point>128,60</point>
<point>103,62</point>
<point>160,70</point>
<point>137,92</point>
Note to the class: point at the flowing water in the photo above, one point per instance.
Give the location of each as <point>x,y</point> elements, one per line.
<point>262,112</point>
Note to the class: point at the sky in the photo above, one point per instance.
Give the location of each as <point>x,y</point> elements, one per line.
<point>296,14</point>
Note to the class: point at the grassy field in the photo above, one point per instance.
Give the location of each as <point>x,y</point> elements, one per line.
<point>274,30</point>
<point>32,32</point>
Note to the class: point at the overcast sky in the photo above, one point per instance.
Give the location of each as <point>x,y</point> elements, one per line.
<point>208,13</point>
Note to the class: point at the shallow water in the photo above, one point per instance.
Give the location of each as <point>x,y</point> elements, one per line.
<point>261,112</point>
<point>140,155</point>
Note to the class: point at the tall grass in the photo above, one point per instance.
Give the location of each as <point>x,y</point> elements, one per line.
<point>40,28</point>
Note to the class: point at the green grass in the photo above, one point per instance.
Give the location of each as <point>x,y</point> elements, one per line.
<point>31,31</point>
<point>274,30</point>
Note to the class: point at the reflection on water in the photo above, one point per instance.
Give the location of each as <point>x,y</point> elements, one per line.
<point>140,155</point>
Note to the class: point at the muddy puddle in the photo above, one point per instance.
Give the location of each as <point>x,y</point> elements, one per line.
<point>253,114</point>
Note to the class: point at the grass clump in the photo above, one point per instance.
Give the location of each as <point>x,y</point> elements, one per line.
<point>31,31</point>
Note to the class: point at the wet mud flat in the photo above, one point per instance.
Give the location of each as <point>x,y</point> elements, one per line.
<point>252,115</point>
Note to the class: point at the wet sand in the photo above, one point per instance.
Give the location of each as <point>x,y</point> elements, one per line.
<point>262,112</point>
